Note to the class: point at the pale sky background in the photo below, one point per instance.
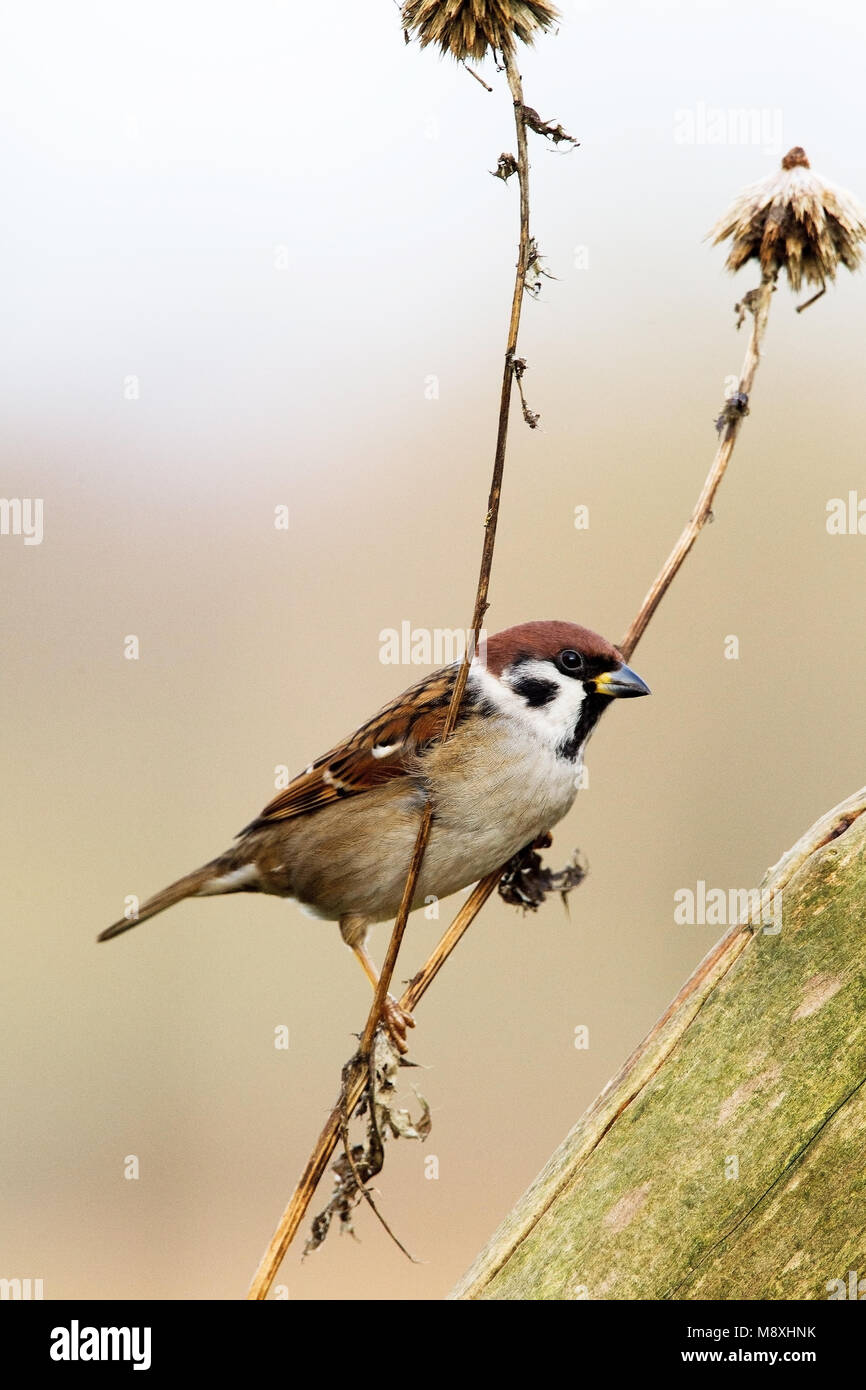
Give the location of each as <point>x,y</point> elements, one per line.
<point>278,219</point>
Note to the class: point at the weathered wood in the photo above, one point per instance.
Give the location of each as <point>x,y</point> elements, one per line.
<point>728,1157</point>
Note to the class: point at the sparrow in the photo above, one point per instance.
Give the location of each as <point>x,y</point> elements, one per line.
<point>338,839</point>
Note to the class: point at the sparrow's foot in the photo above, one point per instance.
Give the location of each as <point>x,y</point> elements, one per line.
<point>398,1022</point>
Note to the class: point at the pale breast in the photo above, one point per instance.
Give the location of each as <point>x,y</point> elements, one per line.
<point>513,788</point>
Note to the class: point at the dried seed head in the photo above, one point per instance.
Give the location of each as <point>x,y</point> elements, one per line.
<point>467,28</point>
<point>794,221</point>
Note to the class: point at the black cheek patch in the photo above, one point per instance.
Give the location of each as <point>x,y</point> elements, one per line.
<point>536,692</point>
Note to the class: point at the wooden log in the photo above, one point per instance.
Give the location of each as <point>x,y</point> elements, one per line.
<point>727,1159</point>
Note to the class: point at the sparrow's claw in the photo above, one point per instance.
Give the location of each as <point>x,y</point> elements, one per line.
<point>397,1021</point>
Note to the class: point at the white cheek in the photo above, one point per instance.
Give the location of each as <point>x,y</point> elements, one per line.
<point>555,722</point>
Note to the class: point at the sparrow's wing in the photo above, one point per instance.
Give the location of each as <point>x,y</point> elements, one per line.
<point>380,750</point>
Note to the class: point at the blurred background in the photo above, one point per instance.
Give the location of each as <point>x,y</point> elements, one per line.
<point>253,258</point>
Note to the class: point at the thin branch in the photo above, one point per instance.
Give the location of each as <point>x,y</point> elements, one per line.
<point>473,73</point>
<point>757,303</point>
<point>813,300</point>
<point>354,1082</point>
<point>481,603</point>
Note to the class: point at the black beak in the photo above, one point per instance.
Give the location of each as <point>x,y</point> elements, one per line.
<point>624,683</point>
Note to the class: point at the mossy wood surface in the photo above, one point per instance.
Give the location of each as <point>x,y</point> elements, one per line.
<point>728,1158</point>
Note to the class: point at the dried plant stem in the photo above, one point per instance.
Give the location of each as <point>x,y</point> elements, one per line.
<point>814,299</point>
<point>473,73</point>
<point>481,603</point>
<point>758,305</point>
<point>355,1074</point>
<point>354,1081</point>
<point>421,982</point>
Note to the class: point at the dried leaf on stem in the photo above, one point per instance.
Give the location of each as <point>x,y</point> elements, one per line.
<point>551,130</point>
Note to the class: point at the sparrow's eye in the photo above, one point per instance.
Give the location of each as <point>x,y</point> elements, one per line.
<point>570,661</point>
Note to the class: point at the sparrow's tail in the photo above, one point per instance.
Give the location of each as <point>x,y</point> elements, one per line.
<point>212,878</point>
